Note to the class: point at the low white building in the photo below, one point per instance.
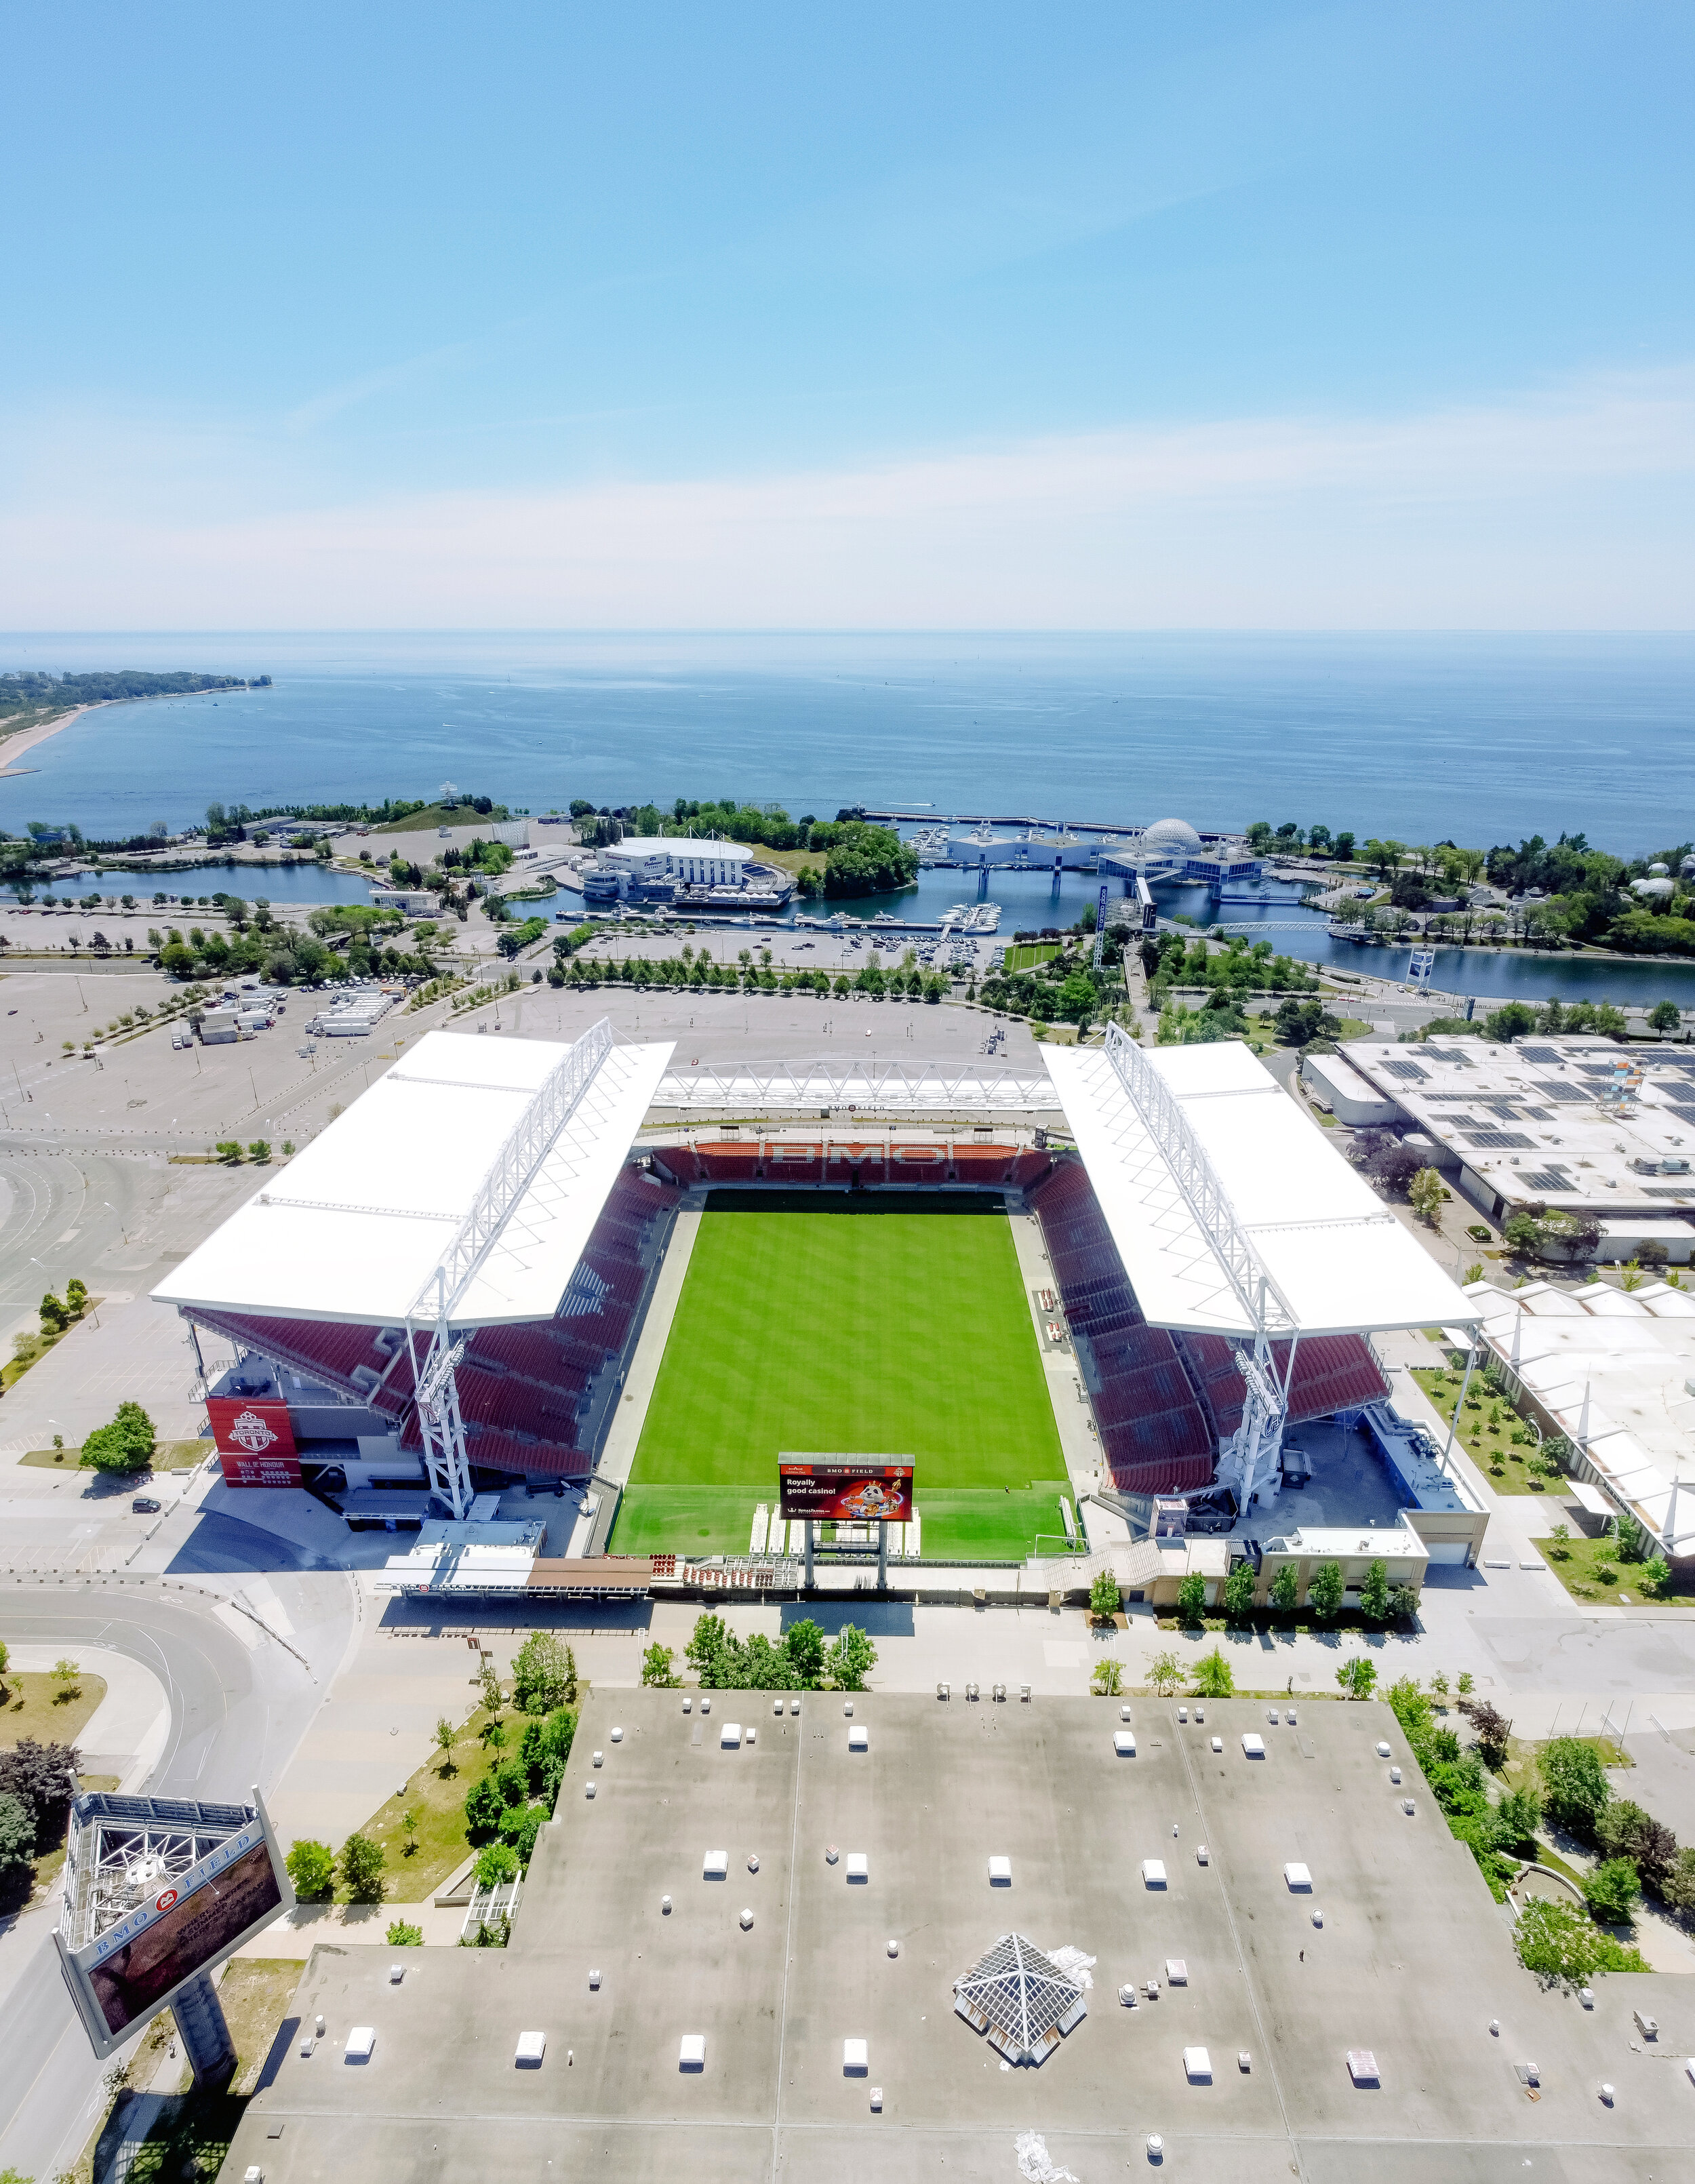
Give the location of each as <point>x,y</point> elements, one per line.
<point>1335,1085</point>
<point>1612,1371</point>
<point>1578,1124</point>
<point>643,859</point>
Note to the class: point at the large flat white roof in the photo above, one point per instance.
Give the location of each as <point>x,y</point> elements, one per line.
<point>353,1226</point>
<point>1615,1371</point>
<point>1337,1256</point>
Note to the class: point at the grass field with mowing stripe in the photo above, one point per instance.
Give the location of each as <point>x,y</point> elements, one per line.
<point>892,1324</point>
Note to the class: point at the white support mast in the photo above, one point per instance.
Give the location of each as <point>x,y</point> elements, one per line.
<point>1247,1460</point>
<point>435,1350</point>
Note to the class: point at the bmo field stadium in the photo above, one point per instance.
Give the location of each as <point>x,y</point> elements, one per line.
<point>586,1268</point>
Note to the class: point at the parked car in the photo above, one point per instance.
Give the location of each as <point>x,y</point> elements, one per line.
<point>144,1505</point>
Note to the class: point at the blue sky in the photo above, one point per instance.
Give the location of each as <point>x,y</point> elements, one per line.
<point>1089,316</point>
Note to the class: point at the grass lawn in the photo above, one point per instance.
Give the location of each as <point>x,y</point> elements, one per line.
<point>1579,1564</point>
<point>895,1324</point>
<point>168,1456</point>
<point>39,1706</point>
<point>438,1798</point>
<point>1025,954</point>
<point>1487,1446</point>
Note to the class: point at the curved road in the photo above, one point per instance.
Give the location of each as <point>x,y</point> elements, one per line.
<point>237,1712</point>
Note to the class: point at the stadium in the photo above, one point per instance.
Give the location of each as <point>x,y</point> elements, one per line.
<point>1129,1274</point>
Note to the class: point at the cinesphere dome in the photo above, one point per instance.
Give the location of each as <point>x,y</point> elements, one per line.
<point>1170,834</point>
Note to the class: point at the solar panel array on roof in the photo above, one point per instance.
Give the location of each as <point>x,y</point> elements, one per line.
<point>1449,1054</point>
<point>1572,1096</point>
<point>1680,1192</point>
<point>1502,1140</point>
<point>1021,1998</point>
<point>1549,1056</point>
<point>1408,1072</point>
<point>1544,1178</point>
<point>1683,1114</point>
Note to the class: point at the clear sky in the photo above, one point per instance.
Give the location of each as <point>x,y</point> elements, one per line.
<point>1110,315</point>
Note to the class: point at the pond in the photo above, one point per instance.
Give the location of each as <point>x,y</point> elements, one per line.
<point>277,883</point>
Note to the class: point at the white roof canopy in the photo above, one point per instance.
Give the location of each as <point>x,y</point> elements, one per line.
<point>1333,1258</point>
<point>356,1226</point>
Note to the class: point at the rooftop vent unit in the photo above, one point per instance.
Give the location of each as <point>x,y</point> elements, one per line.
<point>716,1865</point>
<point>1298,1878</point>
<point>1253,1744</point>
<point>532,2047</point>
<point>1197,2066</point>
<point>1153,1873</point>
<point>1361,2067</point>
<point>1124,1743</point>
<point>1021,1998</point>
<point>999,1872</point>
<point>859,1740</point>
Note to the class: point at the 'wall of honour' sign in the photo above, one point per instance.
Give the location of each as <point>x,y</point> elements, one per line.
<point>255,1442</point>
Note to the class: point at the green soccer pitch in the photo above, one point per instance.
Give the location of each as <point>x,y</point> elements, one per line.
<point>889,1325</point>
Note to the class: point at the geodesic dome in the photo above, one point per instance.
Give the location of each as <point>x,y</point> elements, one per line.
<point>1170,834</point>
<point>1021,1998</point>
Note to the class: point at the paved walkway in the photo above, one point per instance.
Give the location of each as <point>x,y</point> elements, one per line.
<point>624,1435</point>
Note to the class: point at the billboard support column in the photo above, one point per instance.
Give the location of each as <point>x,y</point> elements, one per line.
<point>810,1529</point>
<point>204,2030</point>
<point>883,1557</point>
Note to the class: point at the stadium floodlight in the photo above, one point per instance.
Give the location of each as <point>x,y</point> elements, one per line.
<point>158,1892</point>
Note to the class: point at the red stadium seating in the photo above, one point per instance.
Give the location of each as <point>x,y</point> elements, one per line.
<point>521,1389</point>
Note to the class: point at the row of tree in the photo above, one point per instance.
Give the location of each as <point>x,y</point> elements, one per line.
<point>1380,1602</point>
<point>804,1660</point>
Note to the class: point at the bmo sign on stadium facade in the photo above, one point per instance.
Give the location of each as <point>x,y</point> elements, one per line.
<point>255,1442</point>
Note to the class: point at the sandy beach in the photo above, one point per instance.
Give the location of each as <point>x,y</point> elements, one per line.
<point>13,747</point>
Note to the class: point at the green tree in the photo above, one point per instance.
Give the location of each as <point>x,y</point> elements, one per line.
<point>1191,1597</point>
<point>1511,1022</point>
<point>804,1643</point>
<point>1285,1589</point>
<point>714,1653</point>
<point>658,1672</point>
<point>1324,1589</point>
<point>763,1667</point>
<point>446,1736</point>
<point>543,1673</point>
<point>1575,1787</point>
<point>311,1867</point>
<point>17,1834</point>
<point>401,1935</point>
<point>1557,1942</point>
<point>499,1862</point>
<point>362,1864</point>
<point>483,1805</point>
<point>1212,1677</point>
<point>1426,1194</point>
<point>1108,1679</point>
<point>1611,1890</point>
<point>75,1297</point>
<point>409,1823</point>
<point>1404,1603</point>
<point>1519,1815</point>
<point>1656,1575</point>
<point>1373,1594</point>
<point>1239,1591</point>
<point>1358,1677</point>
<point>1165,1673</point>
<point>1664,1016</point>
<point>1103,1596</point>
<point>851,1659</point>
<point>53,1316</point>
<point>258,1152</point>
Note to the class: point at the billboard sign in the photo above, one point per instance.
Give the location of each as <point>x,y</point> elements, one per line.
<point>847,1490</point>
<point>191,1922</point>
<point>255,1442</point>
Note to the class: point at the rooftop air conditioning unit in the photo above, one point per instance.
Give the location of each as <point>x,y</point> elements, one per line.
<point>1153,1873</point>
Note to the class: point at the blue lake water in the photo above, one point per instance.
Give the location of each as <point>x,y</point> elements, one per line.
<point>280,883</point>
<point>1476,739</point>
